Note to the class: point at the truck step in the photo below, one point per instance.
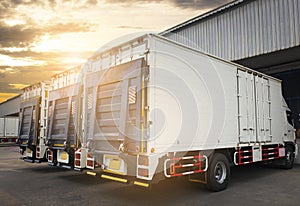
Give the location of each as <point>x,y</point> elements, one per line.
<point>247,155</point>
<point>186,165</point>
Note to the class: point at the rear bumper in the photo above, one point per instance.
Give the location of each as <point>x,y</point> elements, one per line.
<point>126,180</point>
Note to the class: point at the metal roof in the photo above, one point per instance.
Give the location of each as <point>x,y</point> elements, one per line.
<point>203,16</point>
<point>10,107</point>
<point>242,29</point>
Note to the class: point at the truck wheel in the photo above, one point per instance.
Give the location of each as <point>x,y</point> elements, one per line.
<point>289,158</point>
<point>218,173</point>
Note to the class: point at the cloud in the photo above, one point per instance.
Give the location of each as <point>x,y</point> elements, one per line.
<point>5,70</point>
<point>52,58</point>
<point>92,2</point>
<point>51,3</point>
<point>18,86</point>
<point>194,4</point>
<point>8,88</point>
<point>12,77</point>
<point>15,3</point>
<point>29,75</point>
<point>70,27</point>
<point>17,36</point>
<point>24,35</point>
<point>200,4</point>
<point>130,27</point>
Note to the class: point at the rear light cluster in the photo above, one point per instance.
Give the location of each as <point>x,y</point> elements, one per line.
<point>50,156</point>
<point>143,160</point>
<point>90,163</point>
<point>143,172</point>
<point>77,163</point>
<point>77,159</point>
<point>143,166</point>
<point>37,152</point>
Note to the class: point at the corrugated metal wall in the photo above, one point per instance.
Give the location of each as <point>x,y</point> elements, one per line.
<point>251,28</point>
<point>11,107</point>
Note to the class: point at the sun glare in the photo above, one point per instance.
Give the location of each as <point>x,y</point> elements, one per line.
<point>14,49</point>
<point>14,22</point>
<point>48,44</point>
<point>6,60</point>
<point>37,13</point>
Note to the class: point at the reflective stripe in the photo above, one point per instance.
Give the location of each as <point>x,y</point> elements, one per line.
<point>58,145</point>
<point>141,184</point>
<point>91,173</point>
<point>113,172</point>
<point>114,178</point>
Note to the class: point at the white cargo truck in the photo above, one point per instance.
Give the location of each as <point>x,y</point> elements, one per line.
<point>33,122</point>
<point>63,129</point>
<point>9,129</point>
<point>156,109</point>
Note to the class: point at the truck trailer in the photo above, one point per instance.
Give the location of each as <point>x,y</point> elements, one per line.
<point>9,129</point>
<point>63,129</point>
<point>156,109</point>
<point>33,122</point>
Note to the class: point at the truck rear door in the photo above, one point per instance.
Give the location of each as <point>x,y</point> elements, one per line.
<point>28,125</point>
<point>246,102</point>
<point>63,116</point>
<point>263,109</point>
<point>115,99</point>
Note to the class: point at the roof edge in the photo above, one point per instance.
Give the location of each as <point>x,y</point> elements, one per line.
<point>203,16</point>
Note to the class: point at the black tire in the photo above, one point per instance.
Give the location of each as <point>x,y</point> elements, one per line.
<point>289,158</point>
<point>218,173</point>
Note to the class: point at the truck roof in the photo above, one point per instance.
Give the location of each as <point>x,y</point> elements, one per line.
<point>129,39</point>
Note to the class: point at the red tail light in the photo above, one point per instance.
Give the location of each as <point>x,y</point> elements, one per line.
<point>90,163</point>
<point>77,163</point>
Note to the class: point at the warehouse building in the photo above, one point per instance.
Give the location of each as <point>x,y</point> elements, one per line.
<point>10,107</point>
<point>261,34</point>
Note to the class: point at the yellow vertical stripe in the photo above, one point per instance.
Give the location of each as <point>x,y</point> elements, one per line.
<point>143,114</point>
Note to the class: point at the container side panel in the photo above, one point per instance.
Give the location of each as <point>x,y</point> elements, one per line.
<point>193,100</point>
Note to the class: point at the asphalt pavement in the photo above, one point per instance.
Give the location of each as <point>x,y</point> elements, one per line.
<point>23,183</point>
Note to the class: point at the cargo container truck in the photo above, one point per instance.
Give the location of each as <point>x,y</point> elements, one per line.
<point>156,109</point>
<point>9,129</point>
<point>33,122</point>
<point>62,133</point>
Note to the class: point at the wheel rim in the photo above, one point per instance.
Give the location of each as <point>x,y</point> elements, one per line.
<point>289,157</point>
<point>220,172</point>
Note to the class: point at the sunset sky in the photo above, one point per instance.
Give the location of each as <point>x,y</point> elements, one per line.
<point>39,38</point>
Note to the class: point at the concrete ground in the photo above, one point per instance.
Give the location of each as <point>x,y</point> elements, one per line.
<point>23,183</point>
